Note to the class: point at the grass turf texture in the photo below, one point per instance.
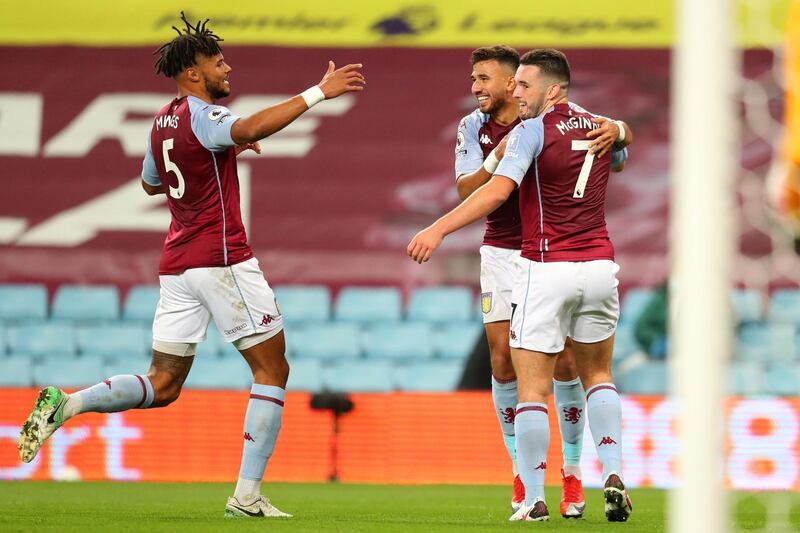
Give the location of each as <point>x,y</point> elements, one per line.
<point>154,507</point>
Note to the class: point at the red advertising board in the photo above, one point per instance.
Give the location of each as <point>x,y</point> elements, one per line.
<point>404,438</point>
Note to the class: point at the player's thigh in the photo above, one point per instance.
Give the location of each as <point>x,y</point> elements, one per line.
<point>240,300</point>
<point>499,272</point>
<point>596,317</point>
<point>267,355</point>
<point>544,299</point>
<point>181,316</point>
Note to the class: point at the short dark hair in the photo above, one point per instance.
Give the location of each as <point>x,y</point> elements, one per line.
<point>181,52</point>
<point>552,63</point>
<point>505,55</point>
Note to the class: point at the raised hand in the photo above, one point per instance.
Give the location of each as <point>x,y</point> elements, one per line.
<point>343,80</point>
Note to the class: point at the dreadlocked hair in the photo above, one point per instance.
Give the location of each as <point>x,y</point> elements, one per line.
<point>181,51</point>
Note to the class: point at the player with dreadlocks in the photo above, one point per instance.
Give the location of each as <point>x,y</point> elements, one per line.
<point>207,268</point>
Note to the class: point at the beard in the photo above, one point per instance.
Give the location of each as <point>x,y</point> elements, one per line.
<point>496,103</point>
<point>533,108</point>
<point>217,90</point>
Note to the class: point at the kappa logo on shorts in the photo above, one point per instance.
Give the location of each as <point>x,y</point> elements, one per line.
<point>486,302</point>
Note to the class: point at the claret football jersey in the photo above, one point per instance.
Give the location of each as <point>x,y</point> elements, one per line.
<point>190,151</point>
<point>478,135</point>
<point>562,186</point>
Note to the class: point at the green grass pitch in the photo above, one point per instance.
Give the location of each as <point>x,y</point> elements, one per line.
<point>155,507</point>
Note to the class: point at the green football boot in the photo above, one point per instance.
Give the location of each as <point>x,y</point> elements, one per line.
<point>46,417</point>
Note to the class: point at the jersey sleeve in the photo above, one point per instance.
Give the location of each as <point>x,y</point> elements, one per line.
<point>469,156</point>
<point>149,170</point>
<point>523,146</point>
<point>212,124</point>
<point>619,156</point>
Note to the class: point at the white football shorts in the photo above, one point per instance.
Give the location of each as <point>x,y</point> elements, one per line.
<point>555,300</point>
<point>499,271</point>
<point>237,297</point>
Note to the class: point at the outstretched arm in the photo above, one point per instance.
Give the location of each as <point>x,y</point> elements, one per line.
<point>274,118</point>
<point>479,204</point>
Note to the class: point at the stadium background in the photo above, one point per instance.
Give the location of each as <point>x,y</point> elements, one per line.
<point>333,201</point>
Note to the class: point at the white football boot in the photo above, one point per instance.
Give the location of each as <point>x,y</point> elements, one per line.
<point>531,513</point>
<point>260,508</point>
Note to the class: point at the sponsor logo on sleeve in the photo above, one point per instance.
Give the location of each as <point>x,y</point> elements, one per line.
<point>460,150</point>
<point>512,146</point>
<point>220,114</point>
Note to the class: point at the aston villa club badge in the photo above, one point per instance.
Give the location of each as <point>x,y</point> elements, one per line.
<point>486,302</point>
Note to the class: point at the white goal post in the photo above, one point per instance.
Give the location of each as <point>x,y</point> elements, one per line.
<point>705,157</point>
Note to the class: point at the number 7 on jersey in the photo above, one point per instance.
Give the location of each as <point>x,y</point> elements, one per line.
<point>586,169</point>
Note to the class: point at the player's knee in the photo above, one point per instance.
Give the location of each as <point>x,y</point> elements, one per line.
<point>500,350</point>
<point>166,396</point>
<point>166,388</point>
<point>503,369</point>
<point>274,374</point>
<point>283,370</point>
<point>595,378</point>
<point>566,369</point>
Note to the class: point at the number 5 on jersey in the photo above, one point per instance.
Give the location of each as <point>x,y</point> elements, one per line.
<point>586,169</point>
<point>177,192</point>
